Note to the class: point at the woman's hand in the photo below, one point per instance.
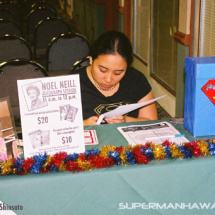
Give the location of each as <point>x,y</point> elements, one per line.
<point>91,120</point>
<point>115,119</point>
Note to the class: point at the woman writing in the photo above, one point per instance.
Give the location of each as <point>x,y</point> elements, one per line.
<point>110,81</point>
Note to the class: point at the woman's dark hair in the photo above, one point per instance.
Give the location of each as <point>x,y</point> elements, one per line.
<point>112,42</point>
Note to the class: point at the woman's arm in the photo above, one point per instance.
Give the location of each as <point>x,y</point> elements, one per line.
<point>146,113</point>
<point>90,121</point>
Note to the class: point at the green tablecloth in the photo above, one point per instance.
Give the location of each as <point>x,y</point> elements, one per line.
<point>119,189</point>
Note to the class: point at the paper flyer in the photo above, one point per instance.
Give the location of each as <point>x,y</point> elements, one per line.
<point>51,115</point>
<point>121,110</point>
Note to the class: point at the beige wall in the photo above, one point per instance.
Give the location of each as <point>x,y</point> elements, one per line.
<point>169,101</point>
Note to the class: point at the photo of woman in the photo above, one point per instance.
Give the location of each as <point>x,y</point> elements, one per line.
<point>33,92</point>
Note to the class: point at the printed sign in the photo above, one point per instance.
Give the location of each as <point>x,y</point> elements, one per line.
<point>209,90</point>
<point>51,115</point>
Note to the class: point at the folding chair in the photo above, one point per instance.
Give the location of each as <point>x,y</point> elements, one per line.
<point>14,47</point>
<point>27,6</point>
<point>80,64</point>
<point>65,50</point>
<point>45,31</point>
<point>14,8</point>
<point>7,14</point>
<point>9,27</point>
<point>43,4</point>
<point>14,70</point>
<point>35,17</point>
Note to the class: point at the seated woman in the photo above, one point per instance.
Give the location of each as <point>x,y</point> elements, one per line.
<point>110,81</point>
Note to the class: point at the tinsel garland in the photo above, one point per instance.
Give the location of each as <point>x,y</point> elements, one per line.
<point>107,156</point>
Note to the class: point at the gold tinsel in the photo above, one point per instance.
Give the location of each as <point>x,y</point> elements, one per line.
<point>6,167</point>
<point>176,152</point>
<point>47,161</point>
<point>203,147</point>
<point>105,150</point>
<point>62,167</point>
<point>84,165</point>
<point>159,152</point>
<point>123,156</point>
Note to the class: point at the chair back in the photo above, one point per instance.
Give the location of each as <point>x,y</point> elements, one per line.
<point>13,70</point>
<point>35,17</point>
<point>65,50</point>
<point>14,8</point>
<point>45,31</point>
<point>14,47</point>
<point>80,64</point>
<point>9,27</point>
<point>43,4</point>
<point>7,14</point>
<point>27,6</point>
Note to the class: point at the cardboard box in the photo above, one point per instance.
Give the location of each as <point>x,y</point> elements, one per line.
<point>9,143</point>
<point>199,105</point>
<point>3,149</point>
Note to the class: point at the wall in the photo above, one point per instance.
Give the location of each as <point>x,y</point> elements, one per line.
<point>168,102</point>
<point>183,51</point>
<point>89,18</point>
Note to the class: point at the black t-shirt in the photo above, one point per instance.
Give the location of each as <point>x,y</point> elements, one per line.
<point>133,87</point>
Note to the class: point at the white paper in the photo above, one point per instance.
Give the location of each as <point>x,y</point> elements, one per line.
<point>90,137</point>
<point>156,133</point>
<point>53,122</point>
<point>123,109</point>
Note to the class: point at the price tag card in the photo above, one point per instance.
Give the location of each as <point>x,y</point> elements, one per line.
<point>90,137</point>
<point>51,115</point>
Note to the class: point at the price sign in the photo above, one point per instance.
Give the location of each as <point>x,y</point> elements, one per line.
<point>67,139</point>
<point>43,119</point>
<point>51,115</point>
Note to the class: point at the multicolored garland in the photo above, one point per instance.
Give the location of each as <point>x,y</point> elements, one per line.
<point>107,156</point>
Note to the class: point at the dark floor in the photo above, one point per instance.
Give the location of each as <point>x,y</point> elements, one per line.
<point>162,114</point>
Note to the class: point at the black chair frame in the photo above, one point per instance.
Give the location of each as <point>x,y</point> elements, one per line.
<point>78,64</point>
